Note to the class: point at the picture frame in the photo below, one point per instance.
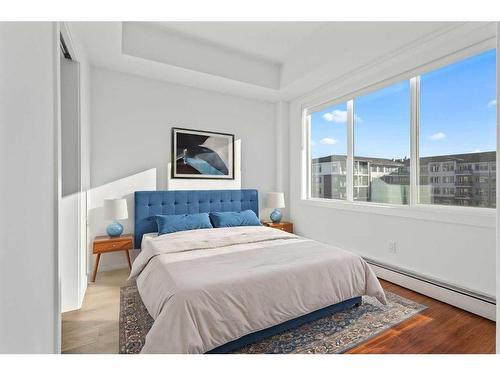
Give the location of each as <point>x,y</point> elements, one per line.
<point>200,154</point>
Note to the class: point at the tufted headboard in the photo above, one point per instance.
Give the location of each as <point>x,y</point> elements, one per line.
<point>150,203</point>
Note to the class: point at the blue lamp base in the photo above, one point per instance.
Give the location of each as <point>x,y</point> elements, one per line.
<point>275,216</point>
<point>115,229</point>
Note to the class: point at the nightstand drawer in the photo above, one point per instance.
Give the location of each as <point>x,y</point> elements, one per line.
<point>112,245</point>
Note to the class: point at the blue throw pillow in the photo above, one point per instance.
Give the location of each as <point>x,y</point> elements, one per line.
<point>176,223</point>
<point>234,219</point>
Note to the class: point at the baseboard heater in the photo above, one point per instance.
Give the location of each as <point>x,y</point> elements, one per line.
<point>472,301</point>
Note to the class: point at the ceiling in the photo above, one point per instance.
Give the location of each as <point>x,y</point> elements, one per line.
<point>265,60</point>
<point>268,40</point>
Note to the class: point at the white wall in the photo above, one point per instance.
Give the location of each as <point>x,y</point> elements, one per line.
<point>282,152</point>
<point>460,251</point>
<point>458,254</point>
<point>131,126</point>
<point>28,187</point>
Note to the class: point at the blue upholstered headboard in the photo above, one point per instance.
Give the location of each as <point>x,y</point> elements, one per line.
<point>150,203</point>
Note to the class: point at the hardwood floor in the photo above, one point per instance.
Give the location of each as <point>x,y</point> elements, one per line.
<point>94,328</point>
<point>440,328</point>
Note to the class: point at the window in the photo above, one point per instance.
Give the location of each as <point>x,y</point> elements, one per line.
<point>382,140</point>
<point>434,168</point>
<point>448,191</point>
<point>360,149</point>
<point>448,179</point>
<point>458,125</point>
<point>328,145</point>
<point>448,167</point>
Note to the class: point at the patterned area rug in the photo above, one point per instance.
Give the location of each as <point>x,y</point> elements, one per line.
<point>336,333</point>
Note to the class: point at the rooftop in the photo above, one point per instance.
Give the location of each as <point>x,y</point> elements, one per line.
<point>473,157</point>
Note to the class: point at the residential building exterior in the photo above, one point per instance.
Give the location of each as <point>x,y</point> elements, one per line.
<point>460,180</point>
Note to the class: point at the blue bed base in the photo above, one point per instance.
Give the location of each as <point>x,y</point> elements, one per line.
<point>174,202</point>
<point>289,324</point>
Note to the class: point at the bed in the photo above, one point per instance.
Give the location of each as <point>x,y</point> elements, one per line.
<point>216,290</point>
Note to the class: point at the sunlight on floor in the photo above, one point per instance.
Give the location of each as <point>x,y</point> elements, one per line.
<point>94,328</point>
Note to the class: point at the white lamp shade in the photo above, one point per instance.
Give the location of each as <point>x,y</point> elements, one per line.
<point>275,200</point>
<point>115,209</point>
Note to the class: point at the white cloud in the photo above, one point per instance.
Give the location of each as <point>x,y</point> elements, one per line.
<point>492,103</point>
<point>339,116</point>
<point>336,116</point>
<point>477,150</point>
<point>438,136</point>
<point>328,141</point>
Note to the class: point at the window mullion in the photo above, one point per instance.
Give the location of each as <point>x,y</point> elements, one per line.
<point>350,151</point>
<point>308,155</point>
<point>414,130</point>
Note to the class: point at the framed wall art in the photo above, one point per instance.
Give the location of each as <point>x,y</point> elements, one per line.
<point>202,154</point>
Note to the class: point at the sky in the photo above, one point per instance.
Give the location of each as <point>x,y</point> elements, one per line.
<point>457,115</point>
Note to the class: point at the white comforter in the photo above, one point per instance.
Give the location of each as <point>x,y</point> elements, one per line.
<point>207,287</point>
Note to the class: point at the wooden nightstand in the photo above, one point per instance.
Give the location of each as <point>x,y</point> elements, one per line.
<point>106,244</point>
<point>283,225</point>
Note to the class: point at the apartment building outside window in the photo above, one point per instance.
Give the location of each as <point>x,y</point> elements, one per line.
<point>382,145</point>
<point>455,153</point>
<point>458,127</point>
<point>328,133</point>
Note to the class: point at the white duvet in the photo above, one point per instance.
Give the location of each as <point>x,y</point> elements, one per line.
<point>207,287</point>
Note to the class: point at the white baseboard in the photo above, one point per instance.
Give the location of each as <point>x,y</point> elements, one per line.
<point>457,299</point>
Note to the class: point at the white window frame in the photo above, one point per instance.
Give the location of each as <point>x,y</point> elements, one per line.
<point>475,216</point>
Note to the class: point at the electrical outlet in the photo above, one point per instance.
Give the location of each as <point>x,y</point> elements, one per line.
<point>392,247</point>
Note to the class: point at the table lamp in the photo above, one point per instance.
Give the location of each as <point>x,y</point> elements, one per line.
<point>115,209</point>
<point>276,201</point>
